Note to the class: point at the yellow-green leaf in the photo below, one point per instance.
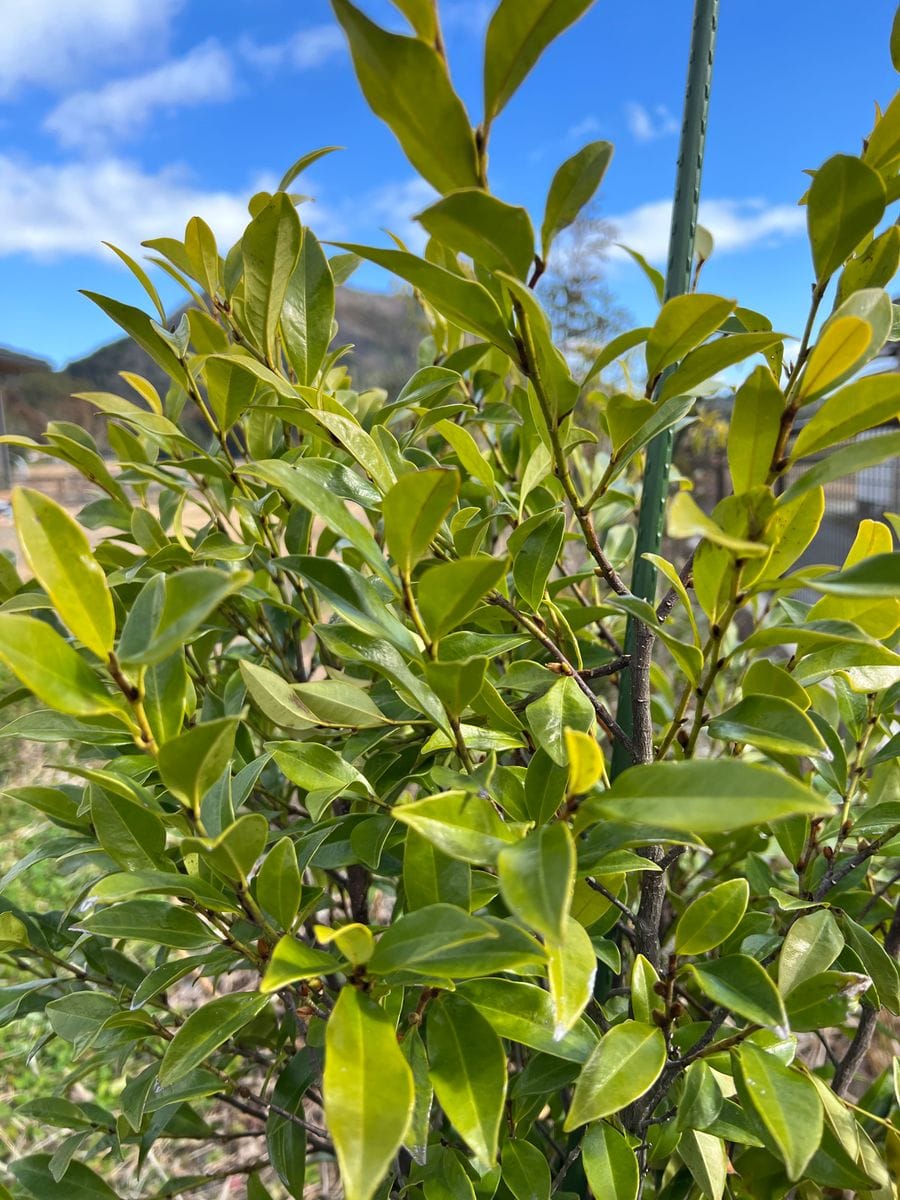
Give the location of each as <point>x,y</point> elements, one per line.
<point>58,552</point>
<point>626,1063</point>
<point>367,1090</point>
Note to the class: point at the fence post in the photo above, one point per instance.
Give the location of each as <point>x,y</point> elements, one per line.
<point>678,279</point>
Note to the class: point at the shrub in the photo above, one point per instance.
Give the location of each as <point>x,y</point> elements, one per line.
<point>338,684</point>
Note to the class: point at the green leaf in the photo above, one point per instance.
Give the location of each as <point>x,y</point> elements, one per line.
<point>810,946</point>
<point>614,349</point>
<point>467,1066</point>
<point>845,202</point>
<point>494,235</point>
<point>876,961</point>
<point>707,1160</point>
<point>205,1030</point>
<point>132,835</point>
<point>705,796</point>
<point>78,1183</point>
<point>610,1164</point>
<point>140,328</point>
<point>519,33</point>
<point>60,557</point>
<point>563,706</point>
<point>417,940</point>
<point>421,14</point>
<point>770,723</point>
<point>687,520</point>
<point>571,968</point>
<point>707,361</point>
<point>456,684</point>
<point>574,183</point>
<point>308,311</point>
<point>535,558</point>
<point>367,1089</point>
<point>537,876</point>
<point>318,769</point>
<point>849,460</point>
<point>525,1170</point>
<point>355,598</point>
<point>462,301</point>
<point>155,921</point>
<point>406,84</point>
<point>432,877</point>
<point>625,1064</point>
<point>754,428</point>
<point>291,961</point>
<point>450,591</point>
<point>305,484</point>
<point>683,323</point>
<point>712,918</point>
<point>414,510</point>
<point>48,666</point>
<point>873,577</point>
<point>169,609</point>
<point>191,763</point>
<point>79,1017</point>
<point>416,1138</point>
<point>741,985</point>
<point>873,400</point>
<point>278,886</point>
<point>467,450</point>
<point>270,248</point>
<point>523,1013</point>
<point>461,824</point>
<point>586,763</point>
<point>783,1105</point>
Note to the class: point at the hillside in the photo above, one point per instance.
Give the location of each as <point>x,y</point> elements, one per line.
<point>384,330</point>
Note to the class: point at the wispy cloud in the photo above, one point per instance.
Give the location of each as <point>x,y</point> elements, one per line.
<point>123,108</point>
<point>304,50</point>
<point>51,211</point>
<point>56,43</point>
<point>735,225</point>
<point>646,125</point>
<point>466,16</point>
<point>582,129</point>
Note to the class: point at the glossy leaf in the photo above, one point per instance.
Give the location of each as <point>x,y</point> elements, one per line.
<point>536,877</point>
<point>845,202</point>
<point>406,84</point>
<point>771,724</point>
<point>191,763</point>
<point>450,591</point>
<point>270,248</point>
<point>740,984</point>
<point>705,796</point>
<point>307,311</point>
<point>493,234</point>
<point>683,323</point>
<point>783,1104</point>
<point>467,1066</point>
<point>573,185</point>
<point>711,919</point>
<point>625,1064</point>
<point>460,824</point>
<point>519,32</point>
<point>367,1090</point>
<point>610,1163</point>
<point>60,557</point>
<point>48,666</point>
<point>205,1030</point>
<point>571,970</point>
<point>414,510</point>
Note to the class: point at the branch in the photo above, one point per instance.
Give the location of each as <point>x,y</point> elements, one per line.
<point>604,716</point>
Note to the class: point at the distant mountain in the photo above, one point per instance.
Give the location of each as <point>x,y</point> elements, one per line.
<point>385,331</point>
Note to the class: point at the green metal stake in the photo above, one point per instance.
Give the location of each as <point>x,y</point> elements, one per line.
<point>678,280</point>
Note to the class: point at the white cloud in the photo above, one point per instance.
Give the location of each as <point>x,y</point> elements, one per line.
<point>583,129</point>
<point>53,43</point>
<point>56,210</point>
<point>304,51</point>
<point>646,125</point>
<point>735,225</point>
<point>122,108</point>
<point>59,210</point>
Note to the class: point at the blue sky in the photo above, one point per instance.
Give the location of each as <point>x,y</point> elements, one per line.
<point>122,118</point>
